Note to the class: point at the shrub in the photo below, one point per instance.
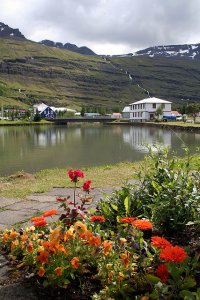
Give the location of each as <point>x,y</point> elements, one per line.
<point>167,192</point>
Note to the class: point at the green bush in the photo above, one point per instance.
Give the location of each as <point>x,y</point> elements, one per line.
<point>168,193</point>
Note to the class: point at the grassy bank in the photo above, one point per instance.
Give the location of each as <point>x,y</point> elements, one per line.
<point>23,123</point>
<point>20,185</point>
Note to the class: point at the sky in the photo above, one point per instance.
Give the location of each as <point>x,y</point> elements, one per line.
<point>106,26</point>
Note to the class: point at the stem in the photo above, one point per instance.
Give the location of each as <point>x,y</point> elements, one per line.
<point>75,194</point>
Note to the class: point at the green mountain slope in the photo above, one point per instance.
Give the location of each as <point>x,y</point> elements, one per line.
<point>33,73</point>
<point>61,77</point>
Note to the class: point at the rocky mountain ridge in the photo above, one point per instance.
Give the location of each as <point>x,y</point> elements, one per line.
<point>6,31</point>
<point>71,47</point>
<point>186,51</point>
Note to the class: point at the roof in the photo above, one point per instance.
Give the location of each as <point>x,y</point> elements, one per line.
<point>175,113</point>
<point>151,100</point>
<point>126,109</point>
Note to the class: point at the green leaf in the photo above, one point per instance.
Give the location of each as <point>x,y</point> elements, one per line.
<point>152,279</point>
<point>188,282</point>
<point>186,295</point>
<point>127,204</point>
<point>114,206</point>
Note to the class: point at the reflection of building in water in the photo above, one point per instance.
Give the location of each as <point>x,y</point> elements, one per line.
<point>48,137</point>
<point>140,137</point>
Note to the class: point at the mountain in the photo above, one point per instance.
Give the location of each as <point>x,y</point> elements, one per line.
<point>187,51</point>
<point>6,31</point>
<point>71,47</point>
<point>32,72</point>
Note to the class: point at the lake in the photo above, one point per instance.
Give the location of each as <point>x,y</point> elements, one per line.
<point>32,148</point>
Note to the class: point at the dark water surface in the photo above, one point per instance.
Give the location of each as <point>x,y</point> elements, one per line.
<point>39,147</point>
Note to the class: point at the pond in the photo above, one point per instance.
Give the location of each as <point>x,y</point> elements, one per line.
<point>32,148</point>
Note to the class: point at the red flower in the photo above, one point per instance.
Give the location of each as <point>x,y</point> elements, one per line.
<point>127,220</point>
<point>58,271</point>
<point>160,242</point>
<point>40,223</point>
<point>174,254</point>
<point>97,218</point>
<point>142,224</point>
<point>75,262</point>
<point>50,213</point>
<point>87,186</point>
<point>74,174</point>
<point>162,273</point>
<point>37,219</point>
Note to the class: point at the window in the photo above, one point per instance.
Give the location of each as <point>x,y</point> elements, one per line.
<point>154,105</point>
<point>163,105</point>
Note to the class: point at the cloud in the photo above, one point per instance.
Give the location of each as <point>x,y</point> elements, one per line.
<point>106,25</point>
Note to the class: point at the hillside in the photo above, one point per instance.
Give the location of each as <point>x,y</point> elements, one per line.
<point>60,77</point>
<point>33,72</point>
<point>176,80</point>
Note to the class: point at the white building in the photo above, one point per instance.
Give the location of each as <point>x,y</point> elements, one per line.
<point>144,110</point>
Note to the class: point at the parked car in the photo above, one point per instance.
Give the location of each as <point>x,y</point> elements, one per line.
<point>169,118</point>
<point>179,118</point>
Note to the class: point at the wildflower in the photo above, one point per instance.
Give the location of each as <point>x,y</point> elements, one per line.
<point>162,273</point>
<point>41,272</point>
<point>87,186</point>
<point>75,262</point>
<point>174,254</point>
<point>142,224</point>
<point>50,213</point>
<point>160,242</point>
<point>55,234</point>
<point>58,271</point>
<point>107,245</point>
<point>127,220</point>
<point>74,174</point>
<point>30,248</point>
<point>109,266</point>
<point>125,261</point>
<point>60,199</point>
<point>97,218</point>
<point>40,223</point>
<point>43,256</point>
<point>69,234</point>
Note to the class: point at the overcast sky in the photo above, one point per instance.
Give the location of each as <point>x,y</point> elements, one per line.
<point>106,26</point>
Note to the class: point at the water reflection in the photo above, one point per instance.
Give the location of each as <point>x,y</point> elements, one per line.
<point>140,137</point>
<point>35,148</point>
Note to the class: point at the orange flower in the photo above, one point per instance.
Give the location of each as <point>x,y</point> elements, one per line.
<point>162,273</point>
<point>97,218</point>
<point>121,276</point>
<point>125,261</point>
<point>122,240</point>
<point>50,213</point>
<point>30,247</point>
<point>36,219</point>
<point>24,238</point>
<point>80,227</point>
<point>41,272</point>
<point>43,257</point>
<point>58,271</point>
<point>5,236</point>
<point>160,242</point>
<point>14,234</point>
<point>69,234</point>
<point>127,220</point>
<point>75,262</point>
<point>40,223</point>
<point>94,241</point>
<point>174,254</point>
<point>142,224</point>
<point>14,244</point>
<point>107,245</point>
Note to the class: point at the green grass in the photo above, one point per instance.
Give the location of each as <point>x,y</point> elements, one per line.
<point>101,176</point>
<point>22,122</point>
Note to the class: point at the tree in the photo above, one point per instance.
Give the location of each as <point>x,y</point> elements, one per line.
<point>37,117</point>
<point>82,111</point>
<point>193,109</point>
<point>159,111</point>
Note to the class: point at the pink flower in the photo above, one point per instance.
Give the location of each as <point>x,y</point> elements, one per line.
<point>87,186</point>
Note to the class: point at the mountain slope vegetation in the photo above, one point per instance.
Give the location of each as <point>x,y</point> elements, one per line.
<point>34,73</point>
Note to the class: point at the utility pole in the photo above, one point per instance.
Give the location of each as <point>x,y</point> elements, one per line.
<point>1,110</point>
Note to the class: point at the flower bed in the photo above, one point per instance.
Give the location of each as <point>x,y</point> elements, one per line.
<point>96,258</point>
